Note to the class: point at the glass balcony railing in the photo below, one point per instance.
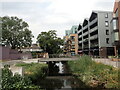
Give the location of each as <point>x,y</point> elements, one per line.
<point>94,29</point>
<point>94,21</point>
<point>85,27</point>
<point>80,36</point>
<point>86,46</point>
<point>85,40</point>
<point>94,37</point>
<point>94,45</point>
<point>80,31</point>
<point>80,41</point>
<point>80,47</point>
<point>84,34</point>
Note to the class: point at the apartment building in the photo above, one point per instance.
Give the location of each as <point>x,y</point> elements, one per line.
<point>116,27</point>
<point>94,36</point>
<point>71,41</point>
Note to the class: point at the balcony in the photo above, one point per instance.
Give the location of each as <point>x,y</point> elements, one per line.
<point>94,45</point>
<point>80,31</point>
<point>94,37</point>
<point>72,50</point>
<point>85,40</point>
<point>80,48</point>
<point>80,36</point>
<point>94,21</point>
<point>86,46</point>
<point>80,42</point>
<point>84,34</point>
<point>94,29</point>
<point>85,27</point>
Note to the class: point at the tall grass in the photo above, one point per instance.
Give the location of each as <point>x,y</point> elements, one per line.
<point>35,71</point>
<point>95,74</point>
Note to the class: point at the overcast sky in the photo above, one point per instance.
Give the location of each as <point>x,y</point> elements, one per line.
<point>60,15</point>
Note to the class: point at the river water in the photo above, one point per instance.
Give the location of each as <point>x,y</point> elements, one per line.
<point>60,78</point>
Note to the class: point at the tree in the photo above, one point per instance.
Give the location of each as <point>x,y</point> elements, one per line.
<point>49,42</point>
<point>15,32</point>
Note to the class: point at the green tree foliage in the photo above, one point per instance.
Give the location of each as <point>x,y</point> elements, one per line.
<point>49,42</point>
<point>15,32</point>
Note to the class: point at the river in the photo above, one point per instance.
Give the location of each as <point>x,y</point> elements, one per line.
<point>60,78</point>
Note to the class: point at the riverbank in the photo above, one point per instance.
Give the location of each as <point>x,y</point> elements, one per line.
<point>32,68</point>
<point>34,71</point>
<point>96,75</point>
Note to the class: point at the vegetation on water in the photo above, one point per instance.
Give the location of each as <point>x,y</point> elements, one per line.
<point>95,74</point>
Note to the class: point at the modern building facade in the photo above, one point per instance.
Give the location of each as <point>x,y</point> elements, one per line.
<point>71,41</point>
<point>116,27</point>
<point>94,37</point>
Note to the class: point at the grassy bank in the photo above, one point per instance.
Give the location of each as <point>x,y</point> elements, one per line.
<point>95,74</point>
<point>33,68</point>
<point>34,71</point>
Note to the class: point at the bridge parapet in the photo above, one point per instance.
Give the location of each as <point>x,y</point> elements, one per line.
<point>56,59</point>
<point>59,56</point>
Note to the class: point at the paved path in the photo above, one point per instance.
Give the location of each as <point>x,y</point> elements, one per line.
<point>107,62</point>
<point>56,59</point>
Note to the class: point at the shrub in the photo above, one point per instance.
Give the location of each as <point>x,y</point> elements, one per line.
<point>15,82</point>
<point>35,71</point>
<point>90,71</point>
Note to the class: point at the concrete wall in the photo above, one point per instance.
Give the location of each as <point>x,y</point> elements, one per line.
<point>11,54</point>
<point>4,54</point>
<point>17,70</point>
<point>102,29</point>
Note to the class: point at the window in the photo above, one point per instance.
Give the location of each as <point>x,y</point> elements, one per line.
<point>106,23</point>
<point>73,42</point>
<point>115,24</point>
<point>106,15</point>
<point>116,36</point>
<point>75,31</point>
<point>73,47</point>
<point>73,37</point>
<point>107,32</point>
<point>107,40</point>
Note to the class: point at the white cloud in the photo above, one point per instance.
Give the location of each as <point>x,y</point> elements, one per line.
<point>23,0</point>
<point>60,15</point>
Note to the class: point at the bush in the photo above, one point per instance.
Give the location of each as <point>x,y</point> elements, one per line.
<point>15,82</point>
<point>35,71</point>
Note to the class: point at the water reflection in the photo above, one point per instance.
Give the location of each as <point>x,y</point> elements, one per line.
<point>59,78</point>
<point>51,83</point>
<point>61,83</point>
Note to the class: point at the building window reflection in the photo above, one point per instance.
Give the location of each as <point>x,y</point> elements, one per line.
<point>106,23</point>
<point>114,24</point>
